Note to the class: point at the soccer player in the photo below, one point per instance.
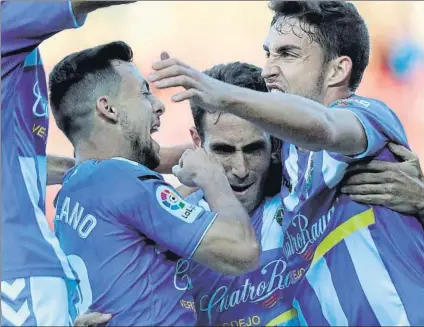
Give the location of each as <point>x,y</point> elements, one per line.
<point>34,269</point>
<point>121,226</point>
<point>245,153</point>
<point>316,55</point>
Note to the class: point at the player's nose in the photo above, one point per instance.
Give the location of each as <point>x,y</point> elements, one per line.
<point>158,107</point>
<point>239,167</point>
<point>270,71</point>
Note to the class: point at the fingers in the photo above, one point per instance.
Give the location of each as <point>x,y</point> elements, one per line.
<point>167,62</point>
<point>373,199</point>
<point>171,71</point>
<point>402,152</point>
<point>185,95</point>
<point>176,170</point>
<point>372,166</point>
<point>164,56</point>
<point>92,319</point>
<point>181,80</point>
<point>365,189</point>
<point>369,178</point>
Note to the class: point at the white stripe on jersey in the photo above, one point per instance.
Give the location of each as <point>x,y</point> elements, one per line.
<point>272,233</point>
<point>332,170</point>
<point>368,264</point>
<point>319,277</point>
<point>292,166</point>
<point>30,176</point>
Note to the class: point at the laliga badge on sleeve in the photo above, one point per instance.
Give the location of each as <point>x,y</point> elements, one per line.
<point>176,206</point>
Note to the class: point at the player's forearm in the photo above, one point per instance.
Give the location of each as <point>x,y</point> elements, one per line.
<point>300,121</point>
<point>169,157</point>
<point>57,167</point>
<point>234,248</point>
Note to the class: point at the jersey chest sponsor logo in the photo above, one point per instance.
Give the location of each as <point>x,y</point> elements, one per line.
<point>301,236</point>
<point>176,206</point>
<point>263,287</point>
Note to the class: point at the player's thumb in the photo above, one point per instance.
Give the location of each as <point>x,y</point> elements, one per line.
<point>176,170</point>
<point>164,55</point>
<point>401,152</point>
<point>92,319</point>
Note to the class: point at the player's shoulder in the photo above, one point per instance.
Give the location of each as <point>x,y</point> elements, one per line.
<point>120,167</point>
<point>359,102</point>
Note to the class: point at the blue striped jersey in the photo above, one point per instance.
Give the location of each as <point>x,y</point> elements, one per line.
<point>29,247</point>
<point>359,264</point>
<point>252,299</point>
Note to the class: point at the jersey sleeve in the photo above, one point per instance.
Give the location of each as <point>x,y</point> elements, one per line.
<point>162,215</point>
<point>380,124</point>
<point>25,24</point>
<point>366,272</point>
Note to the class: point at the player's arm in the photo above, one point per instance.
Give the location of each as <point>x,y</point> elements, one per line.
<point>306,123</point>
<point>169,157</point>
<point>25,24</point>
<point>230,245</point>
<point>396,185</point>
<point>57,167</point>
<point>222,239</point>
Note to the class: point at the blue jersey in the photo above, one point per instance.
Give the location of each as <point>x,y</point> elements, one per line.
<point>360,264</point>
<point>29,247</point>
<point>124,229</point>
<point>252,299</point>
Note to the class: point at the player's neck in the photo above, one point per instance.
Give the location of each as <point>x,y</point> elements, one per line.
<point>101,150</point>
<point>334,94</point>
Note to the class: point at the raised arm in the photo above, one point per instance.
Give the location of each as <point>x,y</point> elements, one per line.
<point>223,239</point>
<point>57,167</point>
<point>25,24</point>
<point>230,245</point>
<point>306,123</point>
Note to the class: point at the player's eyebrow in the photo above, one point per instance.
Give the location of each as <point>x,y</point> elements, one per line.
<point>255,145</point>
<point>286,48</point>
<point>222,146</point>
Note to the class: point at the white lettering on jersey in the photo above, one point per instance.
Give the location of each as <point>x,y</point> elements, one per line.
<point>82,226</point>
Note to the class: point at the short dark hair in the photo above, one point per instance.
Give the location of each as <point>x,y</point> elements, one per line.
<point>335,25</point>
<point>235,73</point>
<point>77,80</point>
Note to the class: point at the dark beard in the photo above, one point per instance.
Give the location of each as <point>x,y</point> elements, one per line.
<point>144,154</point>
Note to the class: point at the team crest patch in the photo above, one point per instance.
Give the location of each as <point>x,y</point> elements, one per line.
<point>170,201</point>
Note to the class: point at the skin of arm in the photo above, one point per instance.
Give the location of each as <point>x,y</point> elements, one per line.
<point>230,246</point>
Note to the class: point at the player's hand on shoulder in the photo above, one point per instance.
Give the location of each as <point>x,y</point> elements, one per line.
<point>92,319</point>
<point>196,168</point>
<point>396,185</point>
<point>201,89</point>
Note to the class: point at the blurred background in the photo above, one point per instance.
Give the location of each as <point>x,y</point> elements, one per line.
<point>205,33</point>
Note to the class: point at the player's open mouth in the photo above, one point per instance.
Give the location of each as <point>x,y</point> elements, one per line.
<point>154,128</point>
<point>240,189</point>
<point>274,89</point>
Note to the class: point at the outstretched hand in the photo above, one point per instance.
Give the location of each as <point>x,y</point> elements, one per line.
<point>204,91</point>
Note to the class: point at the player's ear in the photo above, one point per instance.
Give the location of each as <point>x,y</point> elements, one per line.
<point>339,71</point>
<point>195,137</point>
<point>106,110</point>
